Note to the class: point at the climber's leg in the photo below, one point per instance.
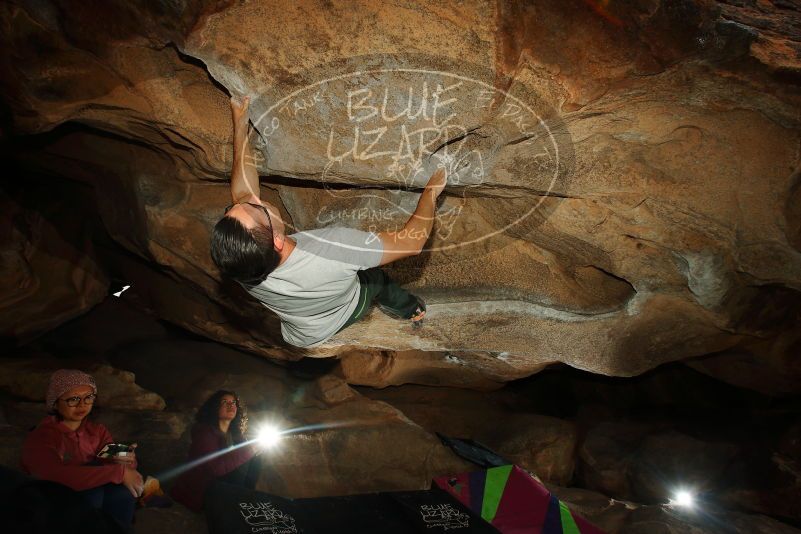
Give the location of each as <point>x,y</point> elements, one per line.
<point>378,287</point>
<point>391,297</point>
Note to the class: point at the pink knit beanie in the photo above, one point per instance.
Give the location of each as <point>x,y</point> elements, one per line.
<point>64,380</point>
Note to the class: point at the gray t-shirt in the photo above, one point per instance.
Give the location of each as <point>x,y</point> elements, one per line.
<point>316,289</point>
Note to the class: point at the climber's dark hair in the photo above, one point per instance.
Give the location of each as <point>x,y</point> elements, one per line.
<point>209,414</point>
<point>241,254</point>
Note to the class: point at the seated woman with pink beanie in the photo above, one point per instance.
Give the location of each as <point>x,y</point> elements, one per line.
<point>64,446</point>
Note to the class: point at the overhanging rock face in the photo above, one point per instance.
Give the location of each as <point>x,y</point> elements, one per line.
<point>624,181</point>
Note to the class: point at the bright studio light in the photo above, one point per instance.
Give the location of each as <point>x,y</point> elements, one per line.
<point>683,498</point>
<point>268,436</point>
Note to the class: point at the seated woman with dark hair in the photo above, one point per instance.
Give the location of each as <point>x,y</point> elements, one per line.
<point>64,448</point>
<point>220,424</point>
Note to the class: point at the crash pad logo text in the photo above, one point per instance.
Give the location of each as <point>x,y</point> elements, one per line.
<point>264,517</point>
<point>444,516</point>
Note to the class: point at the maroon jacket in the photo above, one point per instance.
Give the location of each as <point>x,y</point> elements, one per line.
<point>206,439</point>
<point>54,452</point>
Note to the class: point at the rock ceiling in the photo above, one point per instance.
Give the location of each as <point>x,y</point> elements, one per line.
<point>625,181</point>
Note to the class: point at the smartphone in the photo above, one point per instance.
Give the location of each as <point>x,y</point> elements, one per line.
<point>111,450</point>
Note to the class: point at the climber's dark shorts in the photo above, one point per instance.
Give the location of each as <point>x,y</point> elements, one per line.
<point>376,285</point>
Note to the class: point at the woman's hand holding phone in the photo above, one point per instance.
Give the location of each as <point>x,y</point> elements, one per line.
<point>129,458</point>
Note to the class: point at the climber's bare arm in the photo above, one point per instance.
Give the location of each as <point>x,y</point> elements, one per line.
<point>409,240</point>
<point>244,175</point>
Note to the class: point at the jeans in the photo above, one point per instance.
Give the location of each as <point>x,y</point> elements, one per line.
<point>246,475</point>
<point>115,500</point>
<point>376,285</point>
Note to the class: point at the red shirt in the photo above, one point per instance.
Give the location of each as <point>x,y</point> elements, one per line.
<point>191,486</point>
<point>52,451</point>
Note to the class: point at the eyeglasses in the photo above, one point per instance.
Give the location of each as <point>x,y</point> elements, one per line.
<point>262,208</point>
<point>227,403</point>
<point>72,402</point>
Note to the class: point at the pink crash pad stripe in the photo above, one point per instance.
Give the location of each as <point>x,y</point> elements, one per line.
<point>535,500</point>
<point>523,505</point>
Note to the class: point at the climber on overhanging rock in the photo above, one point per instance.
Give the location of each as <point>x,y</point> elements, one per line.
<point>319,281</point>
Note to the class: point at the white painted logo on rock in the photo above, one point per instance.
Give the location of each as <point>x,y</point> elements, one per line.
<point>389,129</point>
